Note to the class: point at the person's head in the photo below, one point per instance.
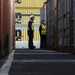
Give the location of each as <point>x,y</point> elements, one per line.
<point>32,17</point>
<point>43,22</point>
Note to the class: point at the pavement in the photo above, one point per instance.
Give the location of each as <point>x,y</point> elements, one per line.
<point>38,62</point>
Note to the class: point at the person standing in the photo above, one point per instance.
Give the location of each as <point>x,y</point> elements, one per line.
<point>43,31</point>
<point>31,32</point>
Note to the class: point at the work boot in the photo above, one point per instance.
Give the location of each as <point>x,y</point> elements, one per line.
<point>32,47</point>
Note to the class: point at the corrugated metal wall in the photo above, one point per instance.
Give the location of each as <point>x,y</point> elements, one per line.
<point>25,13</point>
<point>0,22</point>
<point>51,23</point>
<point>7,26</point>
<point>30,3</point>
<point>21,35</point>
<point>43,12</point>
<point>61,25</point>
<point>24,8</point>
<point>74,21</point>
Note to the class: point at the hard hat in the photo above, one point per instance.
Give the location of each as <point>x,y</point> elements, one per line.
<point>31,16</point>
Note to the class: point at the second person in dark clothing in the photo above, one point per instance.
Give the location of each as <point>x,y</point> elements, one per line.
<point>31,32</point>
<point>43,31</point>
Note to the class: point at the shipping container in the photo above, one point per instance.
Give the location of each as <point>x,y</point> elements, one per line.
<point>60,15</point>
<point>23,16</point>
<point>7,26</point>
<point>29,3</point>
<point>43,12</point>
<point>0,26</point>
<point>21,34</point>
<point>51,23</point>
<point>74,20</point>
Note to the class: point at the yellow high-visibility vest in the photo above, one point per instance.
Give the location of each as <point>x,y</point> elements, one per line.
<point>32,26</point>
<point>44,31</point>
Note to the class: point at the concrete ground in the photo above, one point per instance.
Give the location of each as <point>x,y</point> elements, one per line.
<point>24,44</point>
<point>38,62</point>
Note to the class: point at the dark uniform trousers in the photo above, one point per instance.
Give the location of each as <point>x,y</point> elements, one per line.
<point>31,35</point>
<point>43,41</point>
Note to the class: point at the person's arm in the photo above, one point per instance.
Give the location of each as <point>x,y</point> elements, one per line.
<point>40,29</point>
<point>30,25</point>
